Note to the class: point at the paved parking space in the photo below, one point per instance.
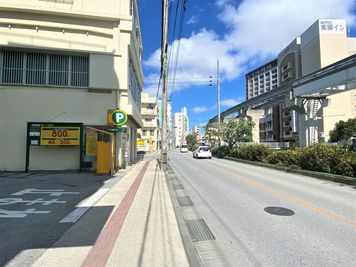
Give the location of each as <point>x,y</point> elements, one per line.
<point>37,209</point>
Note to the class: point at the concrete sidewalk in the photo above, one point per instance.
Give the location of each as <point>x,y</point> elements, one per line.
<point>133,224</point>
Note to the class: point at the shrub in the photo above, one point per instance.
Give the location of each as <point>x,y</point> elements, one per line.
<point>285,158</point>
<point>254,152</point>
<point>342,162</point>
<point>317,158</point>
<point>221,152</point>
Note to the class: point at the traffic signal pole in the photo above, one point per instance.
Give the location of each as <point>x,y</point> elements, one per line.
<point>164,68</point>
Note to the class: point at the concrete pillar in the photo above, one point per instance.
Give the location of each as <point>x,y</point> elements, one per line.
<point>255,115</point>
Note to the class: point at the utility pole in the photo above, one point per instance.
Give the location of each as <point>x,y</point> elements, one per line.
<point>218,84</point>
<point>164,68</point>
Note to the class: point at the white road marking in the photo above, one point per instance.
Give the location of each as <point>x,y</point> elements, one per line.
<point>84,206</point>
<point>20,213</point>
<point>52,193</point>
<point>10,201</point>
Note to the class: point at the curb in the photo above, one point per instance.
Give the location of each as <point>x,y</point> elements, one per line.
<point>319,175</point>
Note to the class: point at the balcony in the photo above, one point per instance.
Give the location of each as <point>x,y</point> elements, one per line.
<point>148,112</point>
<point>149,124</point>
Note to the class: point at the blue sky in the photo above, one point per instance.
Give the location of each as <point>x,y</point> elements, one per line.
<point>242,35</point>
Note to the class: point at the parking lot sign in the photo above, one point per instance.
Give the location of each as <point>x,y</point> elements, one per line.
<point>116,117</point>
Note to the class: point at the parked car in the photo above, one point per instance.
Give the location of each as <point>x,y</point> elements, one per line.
<point>202,152</point>
<point>184,149</point>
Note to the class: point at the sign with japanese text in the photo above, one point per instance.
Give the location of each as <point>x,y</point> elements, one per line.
<point>332,26</point>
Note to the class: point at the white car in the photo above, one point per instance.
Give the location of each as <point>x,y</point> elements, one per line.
<point>184,149</point>
<point>202,152</point>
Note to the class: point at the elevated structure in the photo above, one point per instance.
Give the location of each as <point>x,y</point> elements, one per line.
<point>316,87</point>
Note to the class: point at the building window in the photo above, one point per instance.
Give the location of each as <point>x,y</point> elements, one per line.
<point>12,67</point>
<point>152,132</point>
<point>80,71</point>
<point>35,68</point>
<point>58,70</point>
<point>144,132</point>
<point>44,69</point>
<point>134,86</point>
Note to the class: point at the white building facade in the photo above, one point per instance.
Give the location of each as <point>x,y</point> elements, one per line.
<point>68,62</point>
<point>149,113</point>
<point>180,127</point>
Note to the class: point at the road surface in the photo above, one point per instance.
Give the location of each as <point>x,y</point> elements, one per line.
<point>264,217</point>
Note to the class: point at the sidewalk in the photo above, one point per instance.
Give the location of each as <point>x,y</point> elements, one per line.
<point>131,225</point>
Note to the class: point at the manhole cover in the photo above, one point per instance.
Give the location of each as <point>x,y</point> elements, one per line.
<point>279,211</point>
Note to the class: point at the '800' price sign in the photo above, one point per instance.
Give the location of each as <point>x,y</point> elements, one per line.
<point>60,136</point>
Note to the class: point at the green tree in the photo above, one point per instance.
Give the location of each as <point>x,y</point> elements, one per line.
<point>191,140</point>
<point>239,130</point>
<point>211,130</point>
<point>343,130</point>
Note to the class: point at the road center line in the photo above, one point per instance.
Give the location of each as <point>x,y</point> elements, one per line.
<point>100,252</point>
<point>284,196</point>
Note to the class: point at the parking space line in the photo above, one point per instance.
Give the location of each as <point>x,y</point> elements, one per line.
<point>84,206</point>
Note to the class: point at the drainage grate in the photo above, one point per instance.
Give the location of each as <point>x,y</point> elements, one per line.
<point>199,231</point>
<point>185,201</point>
<point>177,186</point>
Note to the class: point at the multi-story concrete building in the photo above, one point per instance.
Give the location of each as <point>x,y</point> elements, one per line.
<point>262,79</point>
<point>289,67</point>
<point>149,113</point>
<point>65,62</point>
<point>180,127</point>
<point>324,43</point>
<point>196,129</point>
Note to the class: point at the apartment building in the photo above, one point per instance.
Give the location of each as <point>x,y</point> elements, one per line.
<point>63,65</point>
<point>180,127</point>
<point>289,67</point>
<point>149,132</point>
<point>262,79</point>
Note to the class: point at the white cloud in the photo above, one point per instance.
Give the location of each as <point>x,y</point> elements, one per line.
<point>231,101</point>
<point>262,28</point>
<point>192,20</point>
<point>257,30</point>
<point>199,109</point>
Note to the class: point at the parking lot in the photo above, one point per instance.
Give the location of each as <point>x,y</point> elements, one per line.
<point>37,209</point>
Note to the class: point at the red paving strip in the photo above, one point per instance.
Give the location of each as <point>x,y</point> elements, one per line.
<point>101,251</point>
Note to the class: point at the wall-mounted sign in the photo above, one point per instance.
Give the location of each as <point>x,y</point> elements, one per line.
<point>332,26</point>
<point>60,136</point>
<point>116,117</point>
<point>54,134</point>
<point>140,142</point>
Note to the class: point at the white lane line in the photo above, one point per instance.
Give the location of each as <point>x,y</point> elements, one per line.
<point>84,206</point>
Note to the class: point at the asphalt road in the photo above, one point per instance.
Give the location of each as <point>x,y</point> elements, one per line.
<point>32,207</point>
<point>264,217</point>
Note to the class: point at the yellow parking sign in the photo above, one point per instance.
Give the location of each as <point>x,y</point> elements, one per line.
<point>116,117</point>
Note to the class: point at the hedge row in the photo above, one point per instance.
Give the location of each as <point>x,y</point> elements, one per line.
<point>319,157</point>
